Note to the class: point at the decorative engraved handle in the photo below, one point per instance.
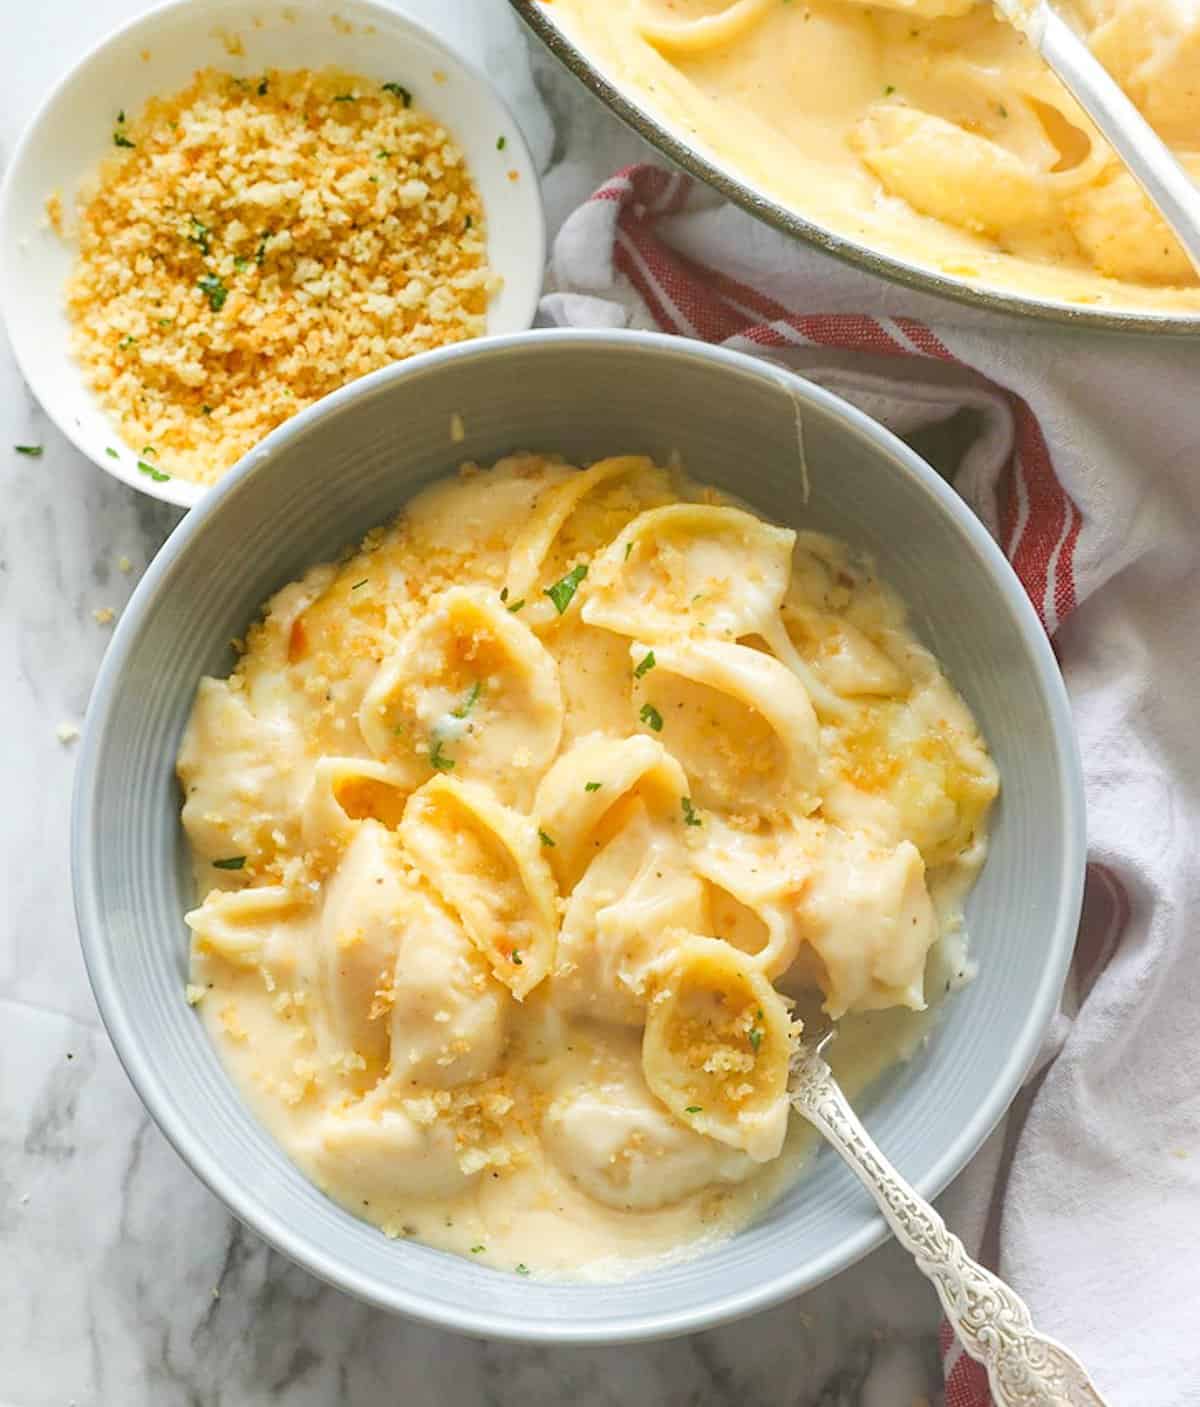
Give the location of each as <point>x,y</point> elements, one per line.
<point>1025,1368</point>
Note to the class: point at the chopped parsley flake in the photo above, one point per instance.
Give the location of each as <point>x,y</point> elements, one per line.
<point>522,1269</point>
<point>545,839</point>
<point>127,341</point>
<point>651,715</point>
<point>438,760</point>
<point>397,90</point>
<point>516,957</point>
<point>241,263</point>
<point>475,1250</point>
<point>646,665</point>
<point>467,223</point>
<point>357,584</point>
<point>592,786</point>
<point>214,290</point>
<point>121,140</point>
<point>692,1109</point>
<point>235,862</point>
<point>112,453</point>
<point>261,252</point>
<point>565,588</point>
<point>199,234</point>
<point>262,88</point>
<point>469,702</point>
<point>889,90</point>
<point>628,549</point>
<point>501,143</point>
<point>689,812</point>
<point>156,474</point>
<point>755,1039</point>
<point>516,605</point>
<point>33,451</point>
<point>206,410</point>
<point>504,593</point>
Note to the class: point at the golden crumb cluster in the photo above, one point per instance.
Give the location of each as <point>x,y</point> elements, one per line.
<point>256,243</point>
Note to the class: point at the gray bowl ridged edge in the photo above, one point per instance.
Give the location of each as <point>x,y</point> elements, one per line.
<point>1018,308</point>
<point>252,1210</point>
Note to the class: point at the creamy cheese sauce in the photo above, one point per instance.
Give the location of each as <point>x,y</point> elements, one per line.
<point>927,128</point>
<point>529,835</point>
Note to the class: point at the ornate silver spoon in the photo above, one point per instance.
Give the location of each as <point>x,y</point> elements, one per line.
<point>1024,1367</point>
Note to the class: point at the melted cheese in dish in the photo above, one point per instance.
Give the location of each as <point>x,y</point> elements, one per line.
<point>927,128</point>
<point>527,835</point>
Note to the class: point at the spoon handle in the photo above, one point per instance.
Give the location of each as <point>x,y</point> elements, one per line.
<point>1024,1367</point>
<point>1139,146</point>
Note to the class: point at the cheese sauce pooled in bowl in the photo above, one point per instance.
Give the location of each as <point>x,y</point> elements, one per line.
<point>526,836</point>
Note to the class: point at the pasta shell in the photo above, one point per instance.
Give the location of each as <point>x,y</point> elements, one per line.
<point>448,1013</point>
<point>943,170</point>
<point>344,792</point>
<point>755,878</point>
<point>378,1154</point>
<point>691,567</point>
<point>868,917</point>
<point>717,1046</point>
<point>527,575</point>
<point>242,777</point>
<point>740,722</point>
<point>580,817</point>
<point>241,926</point>
<point>470,690</point>
<point>635,897</point>
<point>485,862</point>
<point>620,1145</point>
<point>357,943</point>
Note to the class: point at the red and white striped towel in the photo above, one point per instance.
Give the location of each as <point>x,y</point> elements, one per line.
<point>1086,469</point>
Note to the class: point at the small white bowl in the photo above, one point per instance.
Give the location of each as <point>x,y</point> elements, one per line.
<point>156,55</point>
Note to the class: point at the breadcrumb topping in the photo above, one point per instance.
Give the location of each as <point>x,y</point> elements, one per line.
<point>255,243</point>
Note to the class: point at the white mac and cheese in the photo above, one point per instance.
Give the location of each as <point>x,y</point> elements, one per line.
<point>527,832</point>
<point>928,128</point>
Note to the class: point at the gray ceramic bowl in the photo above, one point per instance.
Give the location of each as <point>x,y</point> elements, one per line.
<point>335,470</point>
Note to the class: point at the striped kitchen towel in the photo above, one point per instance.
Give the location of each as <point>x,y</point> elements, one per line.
<point>1084,464</point>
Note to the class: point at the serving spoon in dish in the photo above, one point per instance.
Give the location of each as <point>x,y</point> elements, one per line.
<point>1025,1368</point>
<point>1145,155</point>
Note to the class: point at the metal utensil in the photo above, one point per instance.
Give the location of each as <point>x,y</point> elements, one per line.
<point>1024,1367</point>
<point>1139,146</point>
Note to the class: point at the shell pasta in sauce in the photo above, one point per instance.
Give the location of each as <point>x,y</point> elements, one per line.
<point>527,834</point>
<point>929,129</point>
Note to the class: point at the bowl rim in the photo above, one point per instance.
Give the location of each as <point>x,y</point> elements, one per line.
<point>1019,308</point>
<point>254,1210</point>
<point>181,492</point>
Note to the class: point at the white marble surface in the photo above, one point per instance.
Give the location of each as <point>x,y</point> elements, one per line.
<point>124,1284</point>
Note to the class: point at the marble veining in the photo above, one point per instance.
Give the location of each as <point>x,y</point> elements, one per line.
<point>124,1282</point>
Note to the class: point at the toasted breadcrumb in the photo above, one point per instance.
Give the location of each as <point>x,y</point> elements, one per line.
<point>259,244</point>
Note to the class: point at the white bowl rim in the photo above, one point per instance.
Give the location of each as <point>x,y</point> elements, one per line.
<point>185,493</point>
<point>255,1211</point>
